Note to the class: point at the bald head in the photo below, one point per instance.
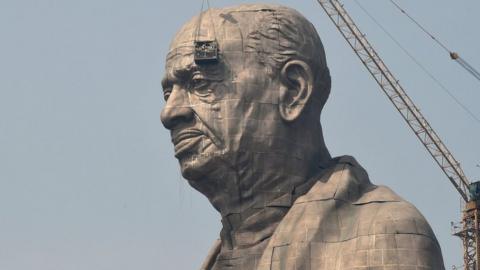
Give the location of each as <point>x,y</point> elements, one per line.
<point>270,34</point>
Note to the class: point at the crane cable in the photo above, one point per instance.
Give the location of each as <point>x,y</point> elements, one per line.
<point>429,74</point>
<point>200,17</point>
<point>453,55</point>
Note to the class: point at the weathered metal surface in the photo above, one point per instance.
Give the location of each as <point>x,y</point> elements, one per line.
<point>247,135</point>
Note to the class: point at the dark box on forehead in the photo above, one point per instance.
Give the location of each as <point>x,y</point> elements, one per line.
<point>206,52</point>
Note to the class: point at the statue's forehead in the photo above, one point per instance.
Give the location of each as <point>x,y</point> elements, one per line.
<point>230,27</point>
<point>182,48</point>
<point>180,57</point>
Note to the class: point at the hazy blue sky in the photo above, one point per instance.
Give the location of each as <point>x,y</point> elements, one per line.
<point>87,174</point>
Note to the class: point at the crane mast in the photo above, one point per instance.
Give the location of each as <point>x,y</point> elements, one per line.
<point>469,231</point>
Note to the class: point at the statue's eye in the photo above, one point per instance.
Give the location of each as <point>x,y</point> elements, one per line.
<point>198,82</point>
<point>166,94</point>
<point>203,92</point>
<point>199,85</point>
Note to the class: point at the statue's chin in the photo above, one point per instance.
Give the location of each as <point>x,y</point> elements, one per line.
<point>197,167</point>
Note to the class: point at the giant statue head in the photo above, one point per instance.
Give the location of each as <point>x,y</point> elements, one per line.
<point>244,89</point>
<point>252,115</point>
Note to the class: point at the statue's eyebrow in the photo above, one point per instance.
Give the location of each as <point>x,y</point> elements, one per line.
<point>174,75</point>
<point>185,73</point>
<point>178,74</point>
<point>166,83</point>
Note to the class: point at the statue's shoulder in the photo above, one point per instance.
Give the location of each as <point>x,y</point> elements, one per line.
<point>346,222</point>
<point>380,206</point>
<point>345,180</point>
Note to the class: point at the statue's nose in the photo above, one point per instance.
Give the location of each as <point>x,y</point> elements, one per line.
<point>177,109</point>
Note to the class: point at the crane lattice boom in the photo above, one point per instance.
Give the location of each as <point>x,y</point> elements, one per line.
<point>469,232</point>
<point>397,95</point>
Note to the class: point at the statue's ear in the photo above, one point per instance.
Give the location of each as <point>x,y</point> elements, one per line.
<point>295,90</point>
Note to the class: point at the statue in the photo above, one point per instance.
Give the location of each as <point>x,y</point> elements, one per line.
<point>244,89</point>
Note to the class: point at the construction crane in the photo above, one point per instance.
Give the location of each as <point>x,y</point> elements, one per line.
<point>470,192</point>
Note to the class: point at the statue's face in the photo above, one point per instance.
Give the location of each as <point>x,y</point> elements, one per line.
<point>241,112</point>
<point>218,113</point>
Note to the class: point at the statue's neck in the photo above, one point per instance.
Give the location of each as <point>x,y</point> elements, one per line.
<point>251,215</point>
<point>256,192</point>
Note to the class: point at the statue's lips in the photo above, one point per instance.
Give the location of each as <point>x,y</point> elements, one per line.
<point>185,140</point>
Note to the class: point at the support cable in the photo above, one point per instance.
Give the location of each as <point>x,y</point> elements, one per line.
<point>466,65</point>
<point>422,67</point>
<point>453,55</point>
<point>197,31</point>
<point>421,27</point>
